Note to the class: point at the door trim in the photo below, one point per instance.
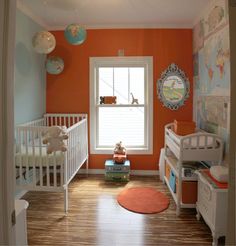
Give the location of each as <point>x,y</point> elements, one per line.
<point>7,186</point>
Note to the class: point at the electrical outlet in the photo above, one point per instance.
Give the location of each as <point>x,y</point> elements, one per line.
<point>121,52</point>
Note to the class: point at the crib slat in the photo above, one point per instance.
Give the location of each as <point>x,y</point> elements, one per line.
<point>47,171</point>
<point>198,143</point>
<point>62,170</point>
<point>20,156</point>
<point>205,142</point>
<point>33,152</point>
<point>40,160</point>
<point>54,170</point>
<point>27,155</point>
<point>214,143</point>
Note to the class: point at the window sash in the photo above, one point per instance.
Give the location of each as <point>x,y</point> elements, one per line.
<point>145,129</point>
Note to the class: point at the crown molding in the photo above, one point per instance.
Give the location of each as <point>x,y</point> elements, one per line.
<point>24,9</point>
<point>128,26</point>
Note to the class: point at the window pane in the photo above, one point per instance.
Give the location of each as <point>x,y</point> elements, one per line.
<point>137,83</point>
<point>105,81</point>
<point>121,124</point>
<point>121,84</point>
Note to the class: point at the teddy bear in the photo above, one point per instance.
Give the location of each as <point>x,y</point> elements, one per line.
<point>54,139</point>
<point>120,149</point>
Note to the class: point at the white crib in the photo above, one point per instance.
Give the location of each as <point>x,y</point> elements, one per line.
<point>38,171</point>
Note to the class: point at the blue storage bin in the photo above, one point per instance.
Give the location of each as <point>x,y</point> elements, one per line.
<point>172,181</point>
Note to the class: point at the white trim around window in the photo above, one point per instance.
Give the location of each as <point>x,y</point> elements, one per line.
<point>147,64</point>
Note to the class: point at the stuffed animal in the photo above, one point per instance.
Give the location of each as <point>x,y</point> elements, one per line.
<point>54,139</point>
<point>120,149</point>
<point>108,100</point>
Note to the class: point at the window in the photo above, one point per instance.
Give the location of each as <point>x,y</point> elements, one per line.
<point>125,78</point>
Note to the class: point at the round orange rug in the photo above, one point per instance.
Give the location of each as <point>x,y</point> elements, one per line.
<point>143,200</point>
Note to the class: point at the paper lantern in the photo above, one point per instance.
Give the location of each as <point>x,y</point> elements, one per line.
<point>44,42</point>
<point>75,34</point>
<point>54,65</point>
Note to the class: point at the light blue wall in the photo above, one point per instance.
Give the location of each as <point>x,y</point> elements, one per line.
<point>30,75</point>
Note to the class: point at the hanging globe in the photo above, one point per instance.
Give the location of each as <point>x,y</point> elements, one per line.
<point>75,34</point>
<point>54,65</point>
<point>43,42</point>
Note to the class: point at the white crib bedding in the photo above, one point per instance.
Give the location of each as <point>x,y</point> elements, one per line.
<point>38,159</point>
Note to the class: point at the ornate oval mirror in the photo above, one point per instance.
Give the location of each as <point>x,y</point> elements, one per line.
<point>173,87</point>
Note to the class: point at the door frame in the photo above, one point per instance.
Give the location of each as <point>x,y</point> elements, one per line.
<point>230,237</point>
<point>7,180</point>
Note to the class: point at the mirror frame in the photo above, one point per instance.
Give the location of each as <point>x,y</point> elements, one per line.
<point>173,70</point>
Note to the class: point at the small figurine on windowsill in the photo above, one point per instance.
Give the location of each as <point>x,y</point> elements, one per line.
<point>134,100</point>
<point>119,153</point>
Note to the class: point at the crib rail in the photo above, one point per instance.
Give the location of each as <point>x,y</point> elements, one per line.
<point>63,119</point>
<point>39,122</point>
<point>78,151</point>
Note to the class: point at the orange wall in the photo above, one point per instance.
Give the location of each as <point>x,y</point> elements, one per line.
<point>69,91</point>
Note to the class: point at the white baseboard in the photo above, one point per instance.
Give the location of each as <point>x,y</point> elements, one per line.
<point>132,172</point>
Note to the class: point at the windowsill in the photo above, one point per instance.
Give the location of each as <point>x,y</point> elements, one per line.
<point>133,151</point>
<point>120,105</point>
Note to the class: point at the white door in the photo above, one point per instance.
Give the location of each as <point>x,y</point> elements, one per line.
<point>7,45</point>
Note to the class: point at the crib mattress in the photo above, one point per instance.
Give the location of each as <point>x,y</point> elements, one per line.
<point>38,159</point>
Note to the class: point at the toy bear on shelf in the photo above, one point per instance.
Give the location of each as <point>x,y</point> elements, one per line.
<point>119,153</point>
<point>120,149</point>
<point>54,139</point>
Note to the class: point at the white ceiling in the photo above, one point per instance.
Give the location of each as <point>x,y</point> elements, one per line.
<point>57,14</point>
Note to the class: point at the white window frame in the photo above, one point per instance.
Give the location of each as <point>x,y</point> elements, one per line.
<point>131,61</point>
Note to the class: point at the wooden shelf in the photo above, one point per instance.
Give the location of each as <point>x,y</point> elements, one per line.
<point>172,162</point>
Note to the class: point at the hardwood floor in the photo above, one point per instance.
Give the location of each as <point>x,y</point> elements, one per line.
<point>95,218</point>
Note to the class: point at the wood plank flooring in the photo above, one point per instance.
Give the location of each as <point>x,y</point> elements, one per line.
<point>95,218</point>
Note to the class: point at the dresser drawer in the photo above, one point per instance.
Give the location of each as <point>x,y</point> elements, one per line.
<point>206,200</point>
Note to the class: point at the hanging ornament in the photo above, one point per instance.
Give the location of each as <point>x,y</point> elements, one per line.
<point>54,65</point>
<point>43,42</point>
<point>75,34</point>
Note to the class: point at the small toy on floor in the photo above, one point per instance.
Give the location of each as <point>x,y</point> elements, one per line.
<point>119,155</point>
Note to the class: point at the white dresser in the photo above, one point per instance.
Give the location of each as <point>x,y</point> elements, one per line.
<point>212,206</point>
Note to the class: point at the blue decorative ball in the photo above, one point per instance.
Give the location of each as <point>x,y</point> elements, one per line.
<point>75,34</point>
<point>54,65</point>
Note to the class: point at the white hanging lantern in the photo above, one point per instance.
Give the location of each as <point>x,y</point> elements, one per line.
<point>44,42</point>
